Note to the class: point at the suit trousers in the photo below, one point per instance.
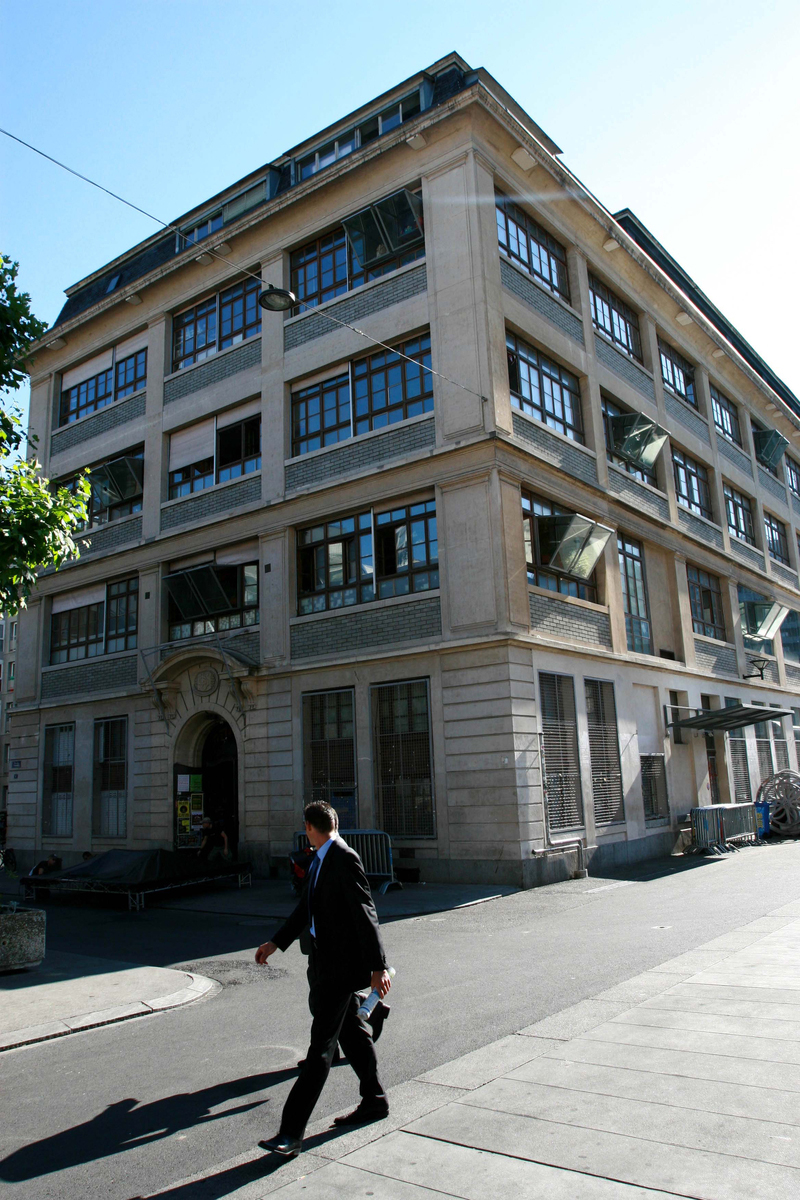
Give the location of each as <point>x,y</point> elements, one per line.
<point>335,1020</point>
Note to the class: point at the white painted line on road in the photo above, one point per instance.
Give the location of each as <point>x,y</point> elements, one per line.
<point>606,887</point>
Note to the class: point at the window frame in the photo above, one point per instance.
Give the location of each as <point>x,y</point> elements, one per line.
<point>635,603</point>
<point>360,135</point>
<point>551,382</point>
<point>319,748</point>
<point>554,276</point>
<point>673,367</point>
<point>699,581</point>
<point>540,575</point>
<point>118,381</point>
<point>698,499</point>
<point>332,399</point>
<point>207,472</point>
<point>636,470</point>
<point>775,540</point>
<point>365,371</point>
<point>245,614</point>
<point>103,764</point>
<point>248,461</point>
<point>92,629</point>
<point>722,408</point>
<point>736,504</point>
<point>792,470</point>
<point>626,317</point>
<point>221,305</point>
<point>98,514</point>
<point>52,783</point>
<point>417,821</point>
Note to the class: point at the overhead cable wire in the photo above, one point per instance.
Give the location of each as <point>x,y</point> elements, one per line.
<point>236,266</point>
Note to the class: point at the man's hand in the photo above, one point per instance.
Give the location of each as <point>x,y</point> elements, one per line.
<point>263,952</point>
<point>380,982</point>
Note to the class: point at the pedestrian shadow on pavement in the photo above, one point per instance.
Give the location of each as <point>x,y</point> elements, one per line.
<point>125,1125</point>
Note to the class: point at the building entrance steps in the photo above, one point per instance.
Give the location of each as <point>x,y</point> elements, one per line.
<point>682,1081</point>
<point>70,993</point>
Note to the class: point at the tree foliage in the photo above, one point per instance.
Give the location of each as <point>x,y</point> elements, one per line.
<point>36,522</point>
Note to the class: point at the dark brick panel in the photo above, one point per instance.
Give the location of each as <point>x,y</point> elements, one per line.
<point>748,553</point>
<point>86,678</point>
<point>417,621</point>
<point>562,454</point>
<point>622,484</point>
<point>624,367</point>
<point>681,412</point>
<point>525,289</point>
<point>772,485</point>
<point>213,371</point>
<point>211,503</point>
<point>734,455</point>
<point>357,306</point>
<point>771,672</point>
<point>784,574</point>
<point>358,454</point>
<point>796,505</point>
<point>792,675</point>
<point>100,422</point>
<point>717,660</point>
<point>700,529</point>
<point>110,537</point>
<point>568,621</point>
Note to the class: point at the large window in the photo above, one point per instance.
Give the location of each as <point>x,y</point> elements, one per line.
<point>637,469</point>
<point>216,323</point>
<point>387,388</point>
<point>769,446</point>
<point>235,451</point>
<point>329,753</point>
<point>634,595</point>
<point>524,239</point>
<point>59,763</point>
<point>726,416</point>
<point>116,489</point>
<point>740,769</point>
<point>110,778</point>
<point>691,484</point>
<point>601,721</point>
<point>543,389</point>
<point>560,758</point>
<point>775,537</point>
<point>84,632</point>
<point>677,373</point>
<point>321,414</point>
<point>792,475</point>
<point>790,637</point>
<point>705,598</point>
<point>550,530</point>
<point>361,135</point>
<point>213,598</point>
<point>614,318</point>
<point>367,556</point>
<point>401,730</point>
<point>739,513</point>
<point>121,379</point>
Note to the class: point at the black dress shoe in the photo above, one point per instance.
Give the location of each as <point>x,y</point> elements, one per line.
<point>365,1114</point>
<point>378,1015</point>
<point>287,1147</point>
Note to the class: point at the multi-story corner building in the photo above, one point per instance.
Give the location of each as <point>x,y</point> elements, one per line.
<point>453,542</point>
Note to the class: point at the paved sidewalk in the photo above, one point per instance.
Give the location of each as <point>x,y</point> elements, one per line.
<point>69,993</point>
<point>683,1081</point>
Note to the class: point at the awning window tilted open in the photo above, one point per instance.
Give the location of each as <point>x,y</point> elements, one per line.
<point>199,592</point>
<point>769,446</point>
<point>636,438</point>
<point>720,720</point>
<point>571,543</point>
<point>117,481</point>
<point>762,618</point>
<point>387,227</point>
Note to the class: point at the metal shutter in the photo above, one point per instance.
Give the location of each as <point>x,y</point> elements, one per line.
<point>654,786</point>
<point>561,764</point>
<point>601,718</point>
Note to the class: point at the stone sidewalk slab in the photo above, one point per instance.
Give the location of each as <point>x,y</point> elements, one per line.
<point>70,993</point>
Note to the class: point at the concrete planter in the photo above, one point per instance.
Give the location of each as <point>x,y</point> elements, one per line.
<point>22,937</point>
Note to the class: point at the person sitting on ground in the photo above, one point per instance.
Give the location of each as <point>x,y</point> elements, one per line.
<point>47,865</point>
<point>87,856</point>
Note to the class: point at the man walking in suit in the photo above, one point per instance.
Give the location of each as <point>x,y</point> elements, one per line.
<point>347,955</point>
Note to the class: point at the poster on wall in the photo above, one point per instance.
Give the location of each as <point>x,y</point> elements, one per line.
<point>188,808</point>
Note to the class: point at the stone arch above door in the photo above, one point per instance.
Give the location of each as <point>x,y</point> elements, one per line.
<point>197,679</point>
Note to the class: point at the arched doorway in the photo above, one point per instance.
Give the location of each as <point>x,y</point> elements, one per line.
<point>206,780</point>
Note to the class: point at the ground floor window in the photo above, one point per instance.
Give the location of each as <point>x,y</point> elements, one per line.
<point>601,720</point>
<point>329,753</point>
<point>403,760</point>
<point>59,761</point>
<point>737,751</point>
<point>110,778</point>
<point>654,787</point>
<point>561,763</point>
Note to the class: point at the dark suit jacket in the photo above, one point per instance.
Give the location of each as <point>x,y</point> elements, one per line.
<point>348,938</point>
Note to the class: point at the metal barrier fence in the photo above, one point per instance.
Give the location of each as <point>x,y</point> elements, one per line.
<point>721,824</point>
<point>374,848</point>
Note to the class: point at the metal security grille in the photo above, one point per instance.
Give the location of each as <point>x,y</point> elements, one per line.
<point>654,787</point>
<point>562,772</point>
<point>601,719</point>
<point>779,744</point>
<point>59,757</point>
<point>329,753</point>
<point>766,767</point>
<point>403,760</point>
<point>737,749</point>
<point>109,809</point>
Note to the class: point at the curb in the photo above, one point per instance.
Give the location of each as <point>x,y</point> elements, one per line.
<point>198,987</point>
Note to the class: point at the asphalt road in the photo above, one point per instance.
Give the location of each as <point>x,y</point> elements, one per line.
<point>126,1110</point>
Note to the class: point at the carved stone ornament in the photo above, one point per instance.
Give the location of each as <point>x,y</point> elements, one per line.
<point>206,681</point>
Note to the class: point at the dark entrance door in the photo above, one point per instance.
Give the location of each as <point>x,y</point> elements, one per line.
<point>220,779</point>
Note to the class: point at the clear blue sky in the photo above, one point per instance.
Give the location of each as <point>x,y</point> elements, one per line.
<point>685,112</point>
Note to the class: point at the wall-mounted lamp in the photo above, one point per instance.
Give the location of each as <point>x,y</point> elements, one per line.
<point>134,298</point>
<point>417,141</point>
<point>205,258</point>
<point>718,353</point>
<point>57,343</point>
<point>523,158</point>
<point>758,664</point>
<point>611,244</point>
<point>683,318</point>
<point>277,299</point>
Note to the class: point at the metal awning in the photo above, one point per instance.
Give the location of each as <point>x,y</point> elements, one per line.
<point>718,720</point>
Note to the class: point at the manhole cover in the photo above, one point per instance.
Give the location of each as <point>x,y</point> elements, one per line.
<point>232,972</point>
